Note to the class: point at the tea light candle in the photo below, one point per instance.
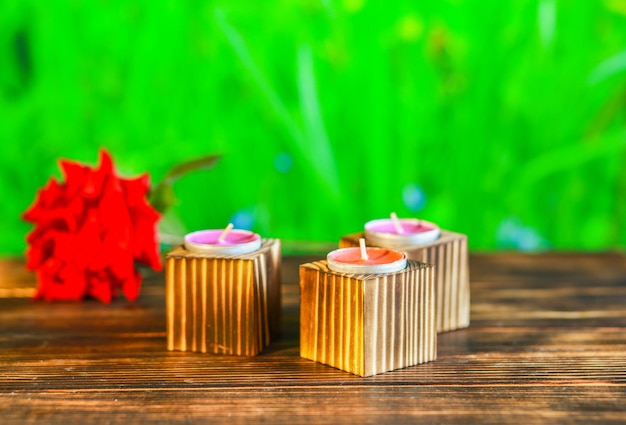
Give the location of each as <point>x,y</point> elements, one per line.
<point>226,241</point>
<point>366,260</point>
<point>396,233</point>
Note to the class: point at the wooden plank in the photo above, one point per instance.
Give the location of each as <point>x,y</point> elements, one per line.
<point>547,344</point>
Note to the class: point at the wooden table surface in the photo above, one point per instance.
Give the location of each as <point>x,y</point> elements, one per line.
<point>547,344</point>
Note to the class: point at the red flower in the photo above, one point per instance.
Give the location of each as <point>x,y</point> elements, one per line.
<point>89,231</point>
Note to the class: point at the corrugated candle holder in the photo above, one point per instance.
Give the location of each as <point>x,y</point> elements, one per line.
<point>367,324</point>
<point>452,292</point>
<point>223,304</point>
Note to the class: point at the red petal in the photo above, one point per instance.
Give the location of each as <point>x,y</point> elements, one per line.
<point>44,284</point>
<point>112,210</point>
<point>99,286</point>
<point>95,179</point>
<point>52,195</point>
<point>51,266</point>
<point>74,173</point>
<point>74,213</point>
<point>46,198</point>
<point>131,286</point>
<point>65,246</point>
<point>121,260</point>
<point>66,284</point>
<point>135,189</point>
<point>89,239</point>
<point>148,246</point>
<point>106,162</point>
<point>38,254</point>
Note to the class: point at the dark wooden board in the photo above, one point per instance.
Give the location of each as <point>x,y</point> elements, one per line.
<point>547,344</point>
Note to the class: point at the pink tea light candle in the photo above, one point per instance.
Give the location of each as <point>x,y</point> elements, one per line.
<point>226,241</point>
<point>223,292</point>
<point>395,233</point>
<point>366,260</point>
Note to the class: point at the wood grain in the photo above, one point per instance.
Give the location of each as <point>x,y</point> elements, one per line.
<point>452,292</point>
<point>368,324</point>
<point>546,345</point>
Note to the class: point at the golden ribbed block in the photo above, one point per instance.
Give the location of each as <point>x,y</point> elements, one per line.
<point>452,290</point>
<point>367,324</point>
<point>223,304</point>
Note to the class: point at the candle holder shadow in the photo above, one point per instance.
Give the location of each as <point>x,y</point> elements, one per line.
<point>223,304</point>
<point>452,291</point>
<point>367,324</point>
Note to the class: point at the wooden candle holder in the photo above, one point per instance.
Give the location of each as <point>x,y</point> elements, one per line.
<point>367,324</point>
<point>223,304</point>
<point>452,292</point>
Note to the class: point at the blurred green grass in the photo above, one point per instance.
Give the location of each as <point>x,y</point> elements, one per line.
<point>502,120</point>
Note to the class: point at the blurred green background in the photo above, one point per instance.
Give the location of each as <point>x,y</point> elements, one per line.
<point>505,120</point>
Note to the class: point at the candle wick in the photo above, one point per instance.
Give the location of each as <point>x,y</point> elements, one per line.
<point>222,237</point>
<point>363,249</point>
<point>396,223</point>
